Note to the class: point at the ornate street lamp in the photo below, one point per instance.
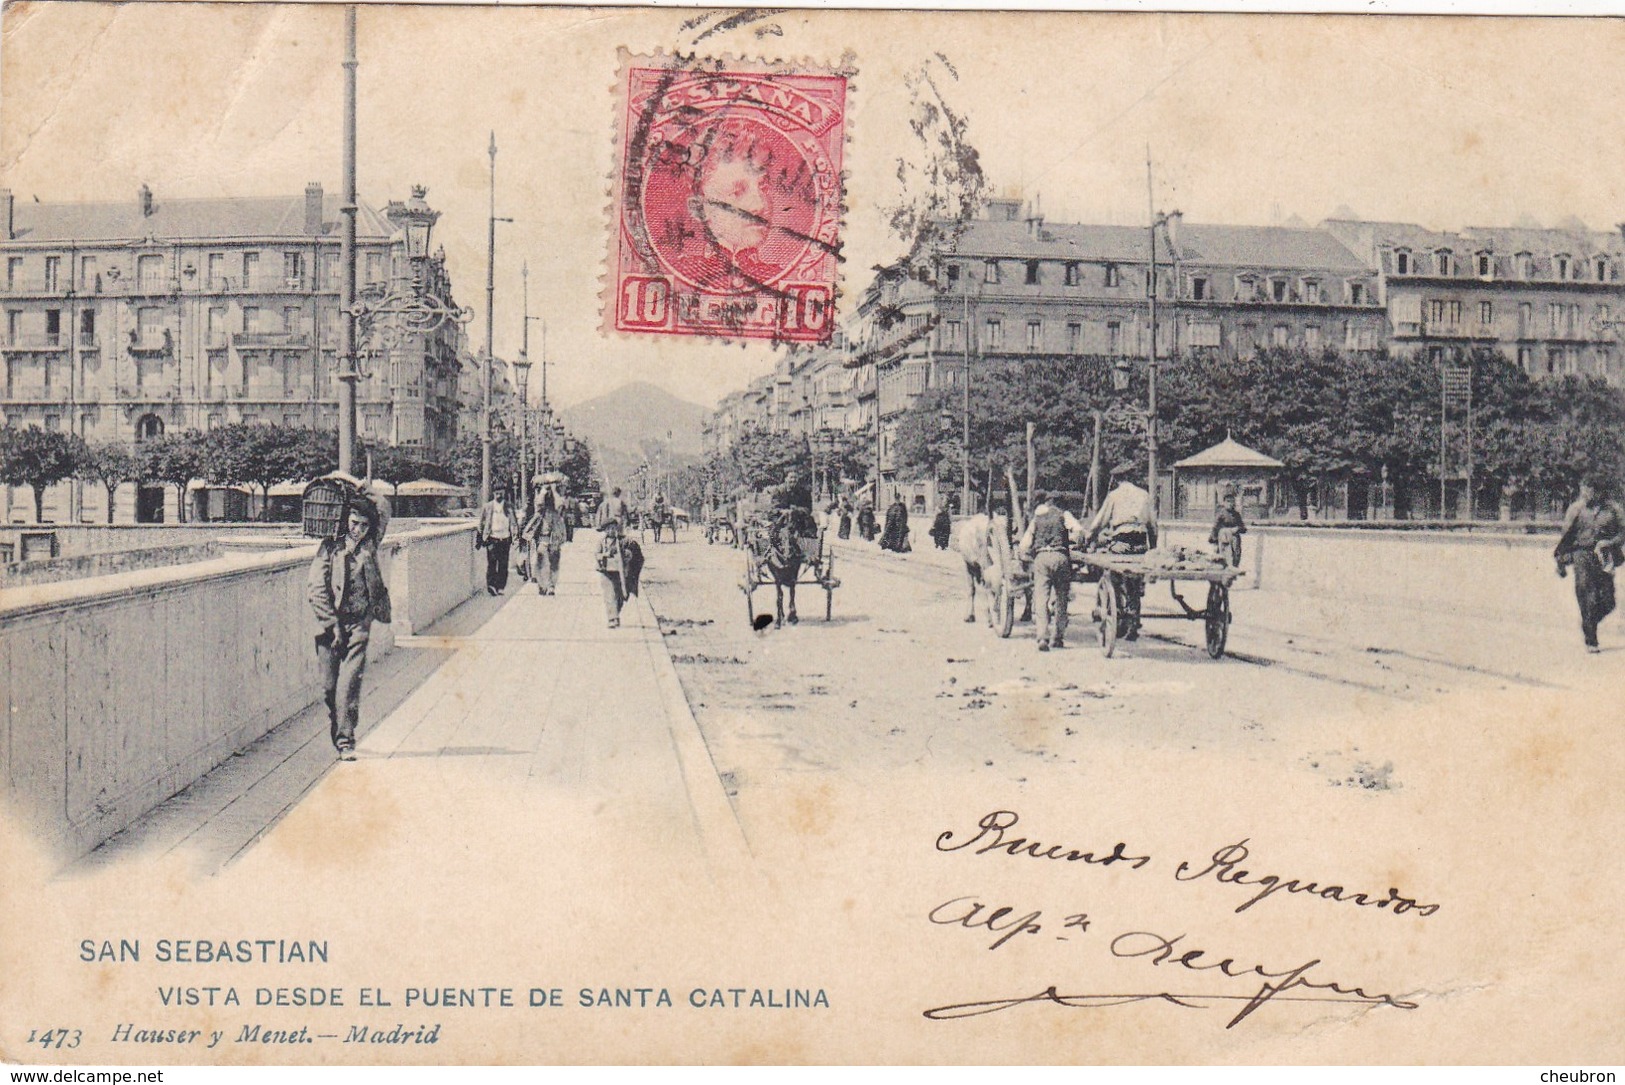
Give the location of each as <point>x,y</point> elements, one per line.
<point>416,309</point>
<point>521,371</point>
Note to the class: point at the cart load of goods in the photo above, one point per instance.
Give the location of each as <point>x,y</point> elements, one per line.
<point>1180,563</point>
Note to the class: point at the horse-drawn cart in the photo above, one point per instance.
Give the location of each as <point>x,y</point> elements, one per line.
<point>1116,574</point>
<point>785,548</point>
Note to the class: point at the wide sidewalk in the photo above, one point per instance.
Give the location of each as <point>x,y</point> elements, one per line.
<point>508,706</point>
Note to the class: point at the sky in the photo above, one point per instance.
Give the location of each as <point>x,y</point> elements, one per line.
<point>1442,121</point>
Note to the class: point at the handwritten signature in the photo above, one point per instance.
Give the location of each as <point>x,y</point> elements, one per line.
<point>1157,950</point>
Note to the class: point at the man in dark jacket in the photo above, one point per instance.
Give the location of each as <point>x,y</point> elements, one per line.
<point>347,593</point>
<point>1590,544</point>
<point>1047,543</point>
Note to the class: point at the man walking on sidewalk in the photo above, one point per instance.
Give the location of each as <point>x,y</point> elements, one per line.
<point>1590,544</point>
<point>347,593</point>
<point>497,529</point>
<point>547,534</point>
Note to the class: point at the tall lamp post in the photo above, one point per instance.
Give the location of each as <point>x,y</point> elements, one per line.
<point>543,441</point>
<point>490,331</point>
<point>521,372</point>
<point>349,372</point>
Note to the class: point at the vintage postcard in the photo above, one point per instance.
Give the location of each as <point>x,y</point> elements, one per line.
<point>634,535</point>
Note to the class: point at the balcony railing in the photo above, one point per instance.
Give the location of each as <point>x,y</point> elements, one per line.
<point>283,340</point>
<point>25,285</point>
<point>35,394</point>
<point>150,342</point>
<point>148,393</point>
<point>35,343</point>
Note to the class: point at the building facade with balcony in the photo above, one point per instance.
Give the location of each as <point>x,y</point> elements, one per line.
<point>1547,299</point>
<point>1009,287</point>
<point>128,320</point>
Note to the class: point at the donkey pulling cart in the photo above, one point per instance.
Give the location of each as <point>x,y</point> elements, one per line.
<point>784,549</point>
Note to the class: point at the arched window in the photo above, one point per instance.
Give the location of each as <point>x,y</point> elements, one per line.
<point>149,428</point>
<point>1602,269</point>
<point>1402,261</point>
<point>1560,266</point>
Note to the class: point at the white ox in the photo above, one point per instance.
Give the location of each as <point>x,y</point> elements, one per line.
<point>983,542</point>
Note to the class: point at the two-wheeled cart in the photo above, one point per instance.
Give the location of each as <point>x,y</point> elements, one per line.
<point>785,551</point>
<point>1113,571</point>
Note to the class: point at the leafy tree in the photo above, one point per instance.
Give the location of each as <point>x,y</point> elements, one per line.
<point>466,460</point>
<point>576,464</point>
<point>38,458</point>
<point>174,459</point>
<point>394,465</point>
<point>111,463</point>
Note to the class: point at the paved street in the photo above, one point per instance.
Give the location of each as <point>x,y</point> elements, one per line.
<point>1312,691</point>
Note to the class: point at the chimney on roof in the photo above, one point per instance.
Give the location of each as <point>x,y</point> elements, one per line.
<point>9,203</point>
<point>146,201</point>
<point>313,209</point>
<point>1035,223</point>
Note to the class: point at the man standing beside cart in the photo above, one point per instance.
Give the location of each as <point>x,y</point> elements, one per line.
<point>1125,523</point>
<point>1047,543</point>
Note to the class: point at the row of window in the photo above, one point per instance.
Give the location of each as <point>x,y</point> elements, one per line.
<point>1196,285</point>
<point>221,271</point>
<point>1599,268</point>
<point>1562,318</point>
<point>151,324</point>
<point>1199,333</point>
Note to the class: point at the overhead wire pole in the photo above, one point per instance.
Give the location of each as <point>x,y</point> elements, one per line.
<point>1151,291</point>
<point>490,330</point>
<point>348,372</point>
<point>964,448</point>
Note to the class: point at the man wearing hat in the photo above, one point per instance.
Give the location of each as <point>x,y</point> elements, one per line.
<point>347,593</point>
<point>1047,543</point>
<point>1228,528</point>
<point>1126,524</point>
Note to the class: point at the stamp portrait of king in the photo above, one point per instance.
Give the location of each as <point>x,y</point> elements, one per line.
<point>728,203</point>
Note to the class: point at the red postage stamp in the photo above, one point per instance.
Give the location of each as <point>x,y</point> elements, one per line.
<point>728,203</point>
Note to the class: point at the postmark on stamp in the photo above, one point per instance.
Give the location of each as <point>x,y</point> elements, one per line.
<point>727,202</point>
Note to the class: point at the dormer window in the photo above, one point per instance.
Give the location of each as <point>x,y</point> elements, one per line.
<point>1444,260</point>
<point>1486,265</point>
<point>1311,291</point>
<point>1602,269</point>
<point>1032,272</point>
<point>1278,289</point>
<point>1402,262</point>
<point>1072,274</point>
<point>1526,265</point>
<point>990,271</point>
<point>1112,278</point>
<point>1560,266</point>
<point>1199,288</point>
<point>1357,294</point>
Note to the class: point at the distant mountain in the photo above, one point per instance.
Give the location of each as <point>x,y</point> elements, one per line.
<point>631,424</point>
